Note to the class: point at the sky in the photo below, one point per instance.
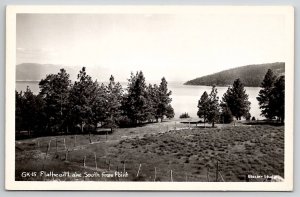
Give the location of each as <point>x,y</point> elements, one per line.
<point>179,47</point>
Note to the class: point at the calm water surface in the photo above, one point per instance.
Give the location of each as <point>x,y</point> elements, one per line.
<point>184,97</point>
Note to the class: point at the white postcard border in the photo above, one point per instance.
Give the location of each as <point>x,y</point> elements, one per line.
<point>11,184</point>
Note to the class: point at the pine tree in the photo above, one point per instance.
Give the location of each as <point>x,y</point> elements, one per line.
<point>54,90</point>
<point>82,98</point>
<point>237,100</point>
<point>170,112</point>
<point>277,99</point>
<point>114,98</point>
<point>153,99</point>
<point>99,104</point>
<point>31,109</point>
<point>136,100</point>
<point>18,111</point>
<point>203,107</point>
<point>265,94</point>
<point>226,115</point>
<point>164,100</point>
<point>214,107</point>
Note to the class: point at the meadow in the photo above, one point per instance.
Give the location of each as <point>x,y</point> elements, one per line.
<point>165,151</point>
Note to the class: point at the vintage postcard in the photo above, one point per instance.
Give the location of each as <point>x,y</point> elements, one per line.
<point>178,98</point>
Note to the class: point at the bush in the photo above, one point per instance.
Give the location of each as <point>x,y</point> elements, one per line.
<point>248,116</point>
<point>253,118</point>
<point>184,115</point>
<point>226,116</point>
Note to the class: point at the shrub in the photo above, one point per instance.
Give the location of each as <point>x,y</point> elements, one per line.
<point>248,116</point>
<point>253,118</point>
<point>184,115</point>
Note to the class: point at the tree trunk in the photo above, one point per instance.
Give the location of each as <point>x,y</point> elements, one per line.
<point>213,124</point>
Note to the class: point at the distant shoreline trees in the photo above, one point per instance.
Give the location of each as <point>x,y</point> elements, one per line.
<point>64,107</point>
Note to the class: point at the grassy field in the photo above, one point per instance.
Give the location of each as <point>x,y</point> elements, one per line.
<point>160,152</point>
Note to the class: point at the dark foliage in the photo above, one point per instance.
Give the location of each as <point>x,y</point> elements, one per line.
<point>271,96</point>
<point>236,100</point>
<point>63,107</point>
<point>184,115</point>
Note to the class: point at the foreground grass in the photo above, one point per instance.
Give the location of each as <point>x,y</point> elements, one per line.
<point>178,155</point>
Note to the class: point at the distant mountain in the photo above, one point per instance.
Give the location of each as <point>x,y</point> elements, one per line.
<point>250,75</point>
<point>36,72</point>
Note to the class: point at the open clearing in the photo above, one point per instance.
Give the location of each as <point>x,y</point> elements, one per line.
<point>158,151</point>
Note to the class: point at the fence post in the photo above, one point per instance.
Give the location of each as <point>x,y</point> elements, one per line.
<point>84,161</point>
<point>96,161</point>
<point>90,138</point>
<point>118,172</point>
<point>124,167</point>
<point>65,143</point>
<point>49,144</point>
<point>207,175</point>
<point>186,178</point>
<point>171,176</point>
<point>56,144</point>
<point>217,171</point>
<point>138,170</point>
<point>154,174</point>
<point>66,157</point>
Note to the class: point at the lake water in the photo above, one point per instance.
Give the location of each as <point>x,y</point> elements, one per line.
<point>184,97</point>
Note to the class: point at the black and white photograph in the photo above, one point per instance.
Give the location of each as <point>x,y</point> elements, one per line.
<point>149,97</point>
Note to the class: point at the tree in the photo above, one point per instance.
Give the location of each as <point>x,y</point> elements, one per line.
<point>265,94</point>
<point>164,99</point>
<point>248,116</point>
<point>136,101</point>
<point>236,100</point>
<point>214,107</point>
<point>226,115</point>
<point>54,90</point>
<point>277,98</point>
<point>99,104</point>
<point>114,100</point>
<point>169,112</point>
<point>82,98</point>
<point>18,111</point>
<point>184,115</point>
<point>203,107</point>
<point>153,99</point>
<point>29,111</point>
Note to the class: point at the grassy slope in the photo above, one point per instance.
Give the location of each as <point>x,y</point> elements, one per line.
<point>189,154</point>
<point>251,75</point>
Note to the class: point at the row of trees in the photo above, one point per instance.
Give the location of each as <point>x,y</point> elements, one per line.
<point>235,101</point>
<point>62,106</point>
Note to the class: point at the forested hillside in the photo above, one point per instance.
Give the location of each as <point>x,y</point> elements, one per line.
<point>250,75</point>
